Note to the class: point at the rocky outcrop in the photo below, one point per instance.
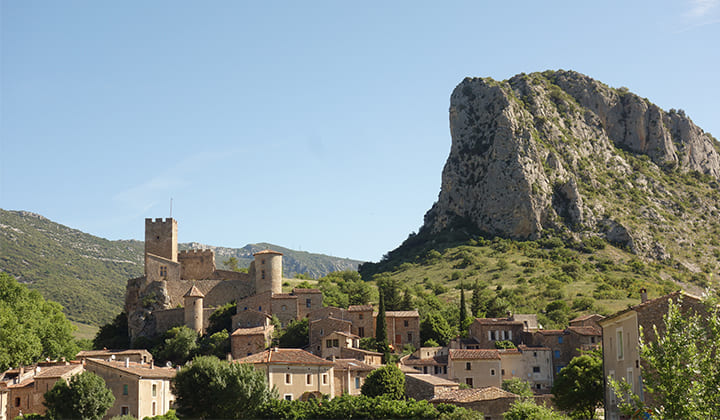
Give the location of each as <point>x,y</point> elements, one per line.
<point>561,151</point>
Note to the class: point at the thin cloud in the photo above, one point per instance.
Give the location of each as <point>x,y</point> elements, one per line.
<point>701,8</point>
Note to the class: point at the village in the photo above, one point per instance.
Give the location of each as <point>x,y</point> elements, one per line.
<point>468,372</point>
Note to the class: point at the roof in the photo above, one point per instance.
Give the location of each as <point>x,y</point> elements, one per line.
<point>432,379</point>
<point>305,291</point>
<point>194,292</point>
<point>429,361</point>
<point>267,252</point>
<point>402,314</point>
<point>359,308</point>
<point>651,302</point>
<point>488,354</point>
<point>361,351</point>
<point>142,371</point>
<point>343,333</point>
<point>472,395</point>
<point>98,354</point>
<point>586,330</point>
<point>550,332</point>
<point>523,347</point>
<point>285,356</point>
<point>586,317</point>
<point>283,296</point>
<point>251,331</point>
<point>353,365</point>
<point>498,321</point>
<point>57,371</point>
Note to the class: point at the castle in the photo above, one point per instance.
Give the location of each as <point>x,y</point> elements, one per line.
<point>185,288</point>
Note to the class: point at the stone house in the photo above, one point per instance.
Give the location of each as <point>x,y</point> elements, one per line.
<point>487,331</point>
<point>590,320</point>
<point>320,328</point>
<point>333,343</point>
<point>492,401</point>
<point>370,357</point>
<point>349,375</point>
<point>428,360</point>
<point>22,390</point>
<point>475,368</point>
<point>566,344</point>
<point>296,373</point>
<point>426,387</point>
<point>403,328</point>
<point>135,355</point>
<point>140,389</point>
<point>621,338</point>
<point>531,364</point>
<point>363,320</point>
<point>247,341</point>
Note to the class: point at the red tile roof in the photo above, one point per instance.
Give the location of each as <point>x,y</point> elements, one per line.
<point>285,356</point>
<point>497,321</point>
<point>402,314</point>
<point>58,371</point>
<point>142,371</point>
<point>488,354</point>
<point>430,361</point>
<point>250,331</point>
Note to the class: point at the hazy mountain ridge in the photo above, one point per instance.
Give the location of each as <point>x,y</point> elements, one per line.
<point>87,274</point>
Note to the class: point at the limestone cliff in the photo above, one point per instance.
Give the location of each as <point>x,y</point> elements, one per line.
<point>561,152</point>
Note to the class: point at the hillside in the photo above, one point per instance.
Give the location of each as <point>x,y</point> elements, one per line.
<point>87,274</point>
<point>595,190</point>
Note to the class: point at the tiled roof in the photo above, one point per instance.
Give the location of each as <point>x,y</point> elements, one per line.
<point>305,291</point>
<point>523,347</point>
<point>497,321</point>
<point>550,332</point>
<point>99,354</point>
<point>57,371</point>
<point>143,371</point>
<point>343,333</point>
<point>472,395</point>
<point>430,361</point>
<point>250,331</point>
<point>509,351</point>
<point>285,356</point>
<point>361,351</point>
<point>353,365</point>
<point>651,302</point>
<point>586,330</point>
<point>267,251</point>
<point>432,379</point>
<point>488,354</point>
<point>586,317</point>
<point>402,314</point>
<point>283,296</point>
<point>193,292</point>
<point>359,308</point>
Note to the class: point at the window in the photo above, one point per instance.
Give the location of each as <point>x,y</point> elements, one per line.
<point>558,368</point>
<point>336,342</point>
<point>154,407</point>
<point>283,308</point>
<point>468,366</point>
<point>534,354</point>
<point>445,370</point>
<point>536,369</point>
<point>308,379</point>
<point>17,401</point>
<point>405,323</point>
<point>537,386</point>
<point>592,340</point>
<point>288,379</point>
<point>324,378</point>
<point>308,303</point>
<point>630,379</point>
<point>262,274</point>
<point>262,262</point>
<point>492,336</point>
<point>328,344</point>
<point>556,353</point>
<point>360,316</point>
<point>492,372</point>
<point>560,339</point>
<point>357,382</point>
<point>619,344</point>
<point>259,308</point>
<point>503,334</point>
<point>154,390</point>
<point>125,389</point>
<point>124,410</point>
<point>288,397</point>
<point>163,271</point>
<point>468,381</point>
<point>410,337</point>
<point>361,331</point>
<point>502,372</point>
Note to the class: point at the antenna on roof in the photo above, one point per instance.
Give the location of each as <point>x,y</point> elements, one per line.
<point>171,207</point>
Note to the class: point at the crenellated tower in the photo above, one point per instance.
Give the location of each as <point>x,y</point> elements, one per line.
<point>161,238</point>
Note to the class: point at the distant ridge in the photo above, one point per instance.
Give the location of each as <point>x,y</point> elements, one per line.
<point>87,274</point>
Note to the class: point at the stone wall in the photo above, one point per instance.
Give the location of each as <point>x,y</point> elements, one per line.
<point>196,264</point>
<point>169,318</point>
<point>320,328</point>
<point>161,238</point>
<point>217,292</point>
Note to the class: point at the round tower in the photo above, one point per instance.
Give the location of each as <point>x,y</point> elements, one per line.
<point>268,271</point>
<point>194,309</point>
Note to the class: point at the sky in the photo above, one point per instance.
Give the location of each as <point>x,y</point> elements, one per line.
<point>320,126</point>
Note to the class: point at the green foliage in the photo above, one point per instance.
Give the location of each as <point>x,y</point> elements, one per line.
<point>682,372</point>
<point>578,387</point>
<point>380,323</point>
<point>295,335</point>
<point>343,288</point>
<point>435,327</point>
<point>526,409</point>
<point>221,319</point>
<point>179,345</point>
<point>217,345</point>
<point>114,335</point>
<point>504,344</point>
<point>31,328</point>
<point>124,417</point>
<point>84,397</point>
<point>387,381</point>
<point>430,343</point>
<point>211,388</point>
<point>389,288</point>
<point>517,386</point>
<point>170,415</point>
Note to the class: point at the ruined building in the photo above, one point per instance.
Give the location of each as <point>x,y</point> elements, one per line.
<point>184,288</point>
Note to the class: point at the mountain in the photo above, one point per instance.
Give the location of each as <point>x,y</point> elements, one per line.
<point>87,274</point>
<point>559,187</point>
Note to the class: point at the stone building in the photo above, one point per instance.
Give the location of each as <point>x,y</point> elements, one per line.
<point>475,368</point>
<point>426,387</point>
<point>134,355</point>
<point>566,344</point>
<point>428,360</point>
<point>621,338</point>
<point>349,375</point>
<point>492,401</point>
<point>247,341</point>
<point>531,364</point>
<point>487,331</point>
<point>296,373</point>
<point>185,288</point>
<point>141,390</point>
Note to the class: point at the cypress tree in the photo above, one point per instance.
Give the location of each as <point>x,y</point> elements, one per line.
<point>463,309</point>
<point>475,301</point>
<point>380,325</point>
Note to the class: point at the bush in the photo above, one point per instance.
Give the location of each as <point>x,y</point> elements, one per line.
<point>386,381</point>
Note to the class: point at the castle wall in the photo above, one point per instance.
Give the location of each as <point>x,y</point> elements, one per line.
<point>159,268</point>
<point>169,318</point>
<point>161,238</point>
<point>196,264</point>
<point>217,292</point>
<point>308,300</point>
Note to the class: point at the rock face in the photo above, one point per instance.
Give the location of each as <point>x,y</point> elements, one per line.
<point>561,151</point>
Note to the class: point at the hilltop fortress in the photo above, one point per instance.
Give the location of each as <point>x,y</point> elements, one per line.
<point>185,288</point>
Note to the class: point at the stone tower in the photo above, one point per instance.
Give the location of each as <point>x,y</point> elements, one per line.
<point>161,238</point>
<point>268,271</point>
<point>194,309</point>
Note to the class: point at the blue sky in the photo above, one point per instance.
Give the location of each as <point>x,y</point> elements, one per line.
<point>319,126</point>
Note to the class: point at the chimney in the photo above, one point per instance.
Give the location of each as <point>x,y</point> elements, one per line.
<point>152,365</point>
<point>127,362</point>
<point>643,295</point>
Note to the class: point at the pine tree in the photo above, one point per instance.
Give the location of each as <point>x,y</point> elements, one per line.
<point>476,305</point>
<point>407,302</point>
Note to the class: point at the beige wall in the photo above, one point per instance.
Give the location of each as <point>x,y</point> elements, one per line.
<point>329,347</point>
<point>153,265</point>
<point>315,303</point>
<point>348,381</point>
<point>363,323</point>
<point>285,308</point>
<point>3,403</point>
<point>298,379</point>
<point>619,361</point>
<point>268,273</point>
<point>196,264</point>
<point>522,365</point>
<point>483,372</point>
<point>242,345</point>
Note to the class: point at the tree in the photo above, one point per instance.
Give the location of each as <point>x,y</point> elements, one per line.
<point>358,292</point>
<point>390,289</point>
<point>526,409</point>
<point>84,397</point>
<point>296,335</point>
<point>578,387</point>
<point>221,319</point>
<point>380,323</point>
<point>179,345</point>
<point>386,381</point>
<point>681,373</point>
<point>517,386</point>
<point>435,327</point>
<point>211,388</point>
<point>217,345</point>
<point>478,301</point>
<point>407,302</point>
<point>463,309</point>
<point>113,335</point>
<point>31,328</point>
